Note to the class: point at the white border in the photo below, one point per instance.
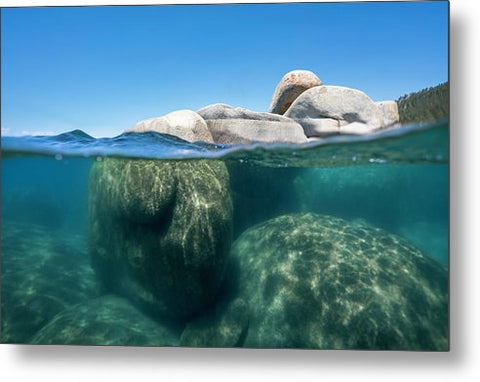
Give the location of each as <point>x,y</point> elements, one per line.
<point>62,363</point>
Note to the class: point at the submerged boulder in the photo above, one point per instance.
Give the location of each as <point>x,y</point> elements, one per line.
<point>387,193</point>
<point>160,231</point>
<point>343,104</point>
<point>314,281</point>
<point>42,274</point>
<point>107,320</point>
<point>185,124</point>
<point>225,325</point>
<point>290,87</point>
<point>389,110</point>
<point>230,125</point>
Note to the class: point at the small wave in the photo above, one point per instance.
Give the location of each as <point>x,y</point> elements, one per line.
<point>415,143</point>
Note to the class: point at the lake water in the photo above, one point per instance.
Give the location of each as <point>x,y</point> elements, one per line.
<point>144,239</point>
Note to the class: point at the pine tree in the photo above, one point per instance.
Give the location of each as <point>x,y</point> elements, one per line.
<point>425,105</point>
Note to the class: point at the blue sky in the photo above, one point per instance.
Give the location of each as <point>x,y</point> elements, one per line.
<point>101,69</point>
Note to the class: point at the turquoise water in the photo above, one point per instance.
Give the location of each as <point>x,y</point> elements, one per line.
<point>144,239</point>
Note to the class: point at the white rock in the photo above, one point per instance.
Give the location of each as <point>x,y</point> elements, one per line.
<point>290,87</point>
<point>317,127</point>
<point>335,102</point>
<point>230,125</point>
<point>390,112</point>
<point>185,124</point>
<point>358,128</point>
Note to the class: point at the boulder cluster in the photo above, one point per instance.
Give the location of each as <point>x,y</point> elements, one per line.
<point>319,282</point>
<point>161,242</point>
<point>169,271</point>
<point>302,109</point>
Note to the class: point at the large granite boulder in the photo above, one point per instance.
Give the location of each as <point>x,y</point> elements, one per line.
<point>316,110</point>
<point>225,324</point>
<point>389,110</point>
<point>314,281</point>
<point>230,125</point>
<point>107,320</point>
<point>185,124</point>
<point>387,193</point>
<point>290,87</point>
<point>160,231</point>
<point>42,274</point>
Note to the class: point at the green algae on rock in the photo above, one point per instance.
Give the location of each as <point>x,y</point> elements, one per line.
<point>388,194</point>
<point>315,281</point>
<point>160,231</point>
<point>41,276</point>
<point>225,325</point>
<point>107,320</point>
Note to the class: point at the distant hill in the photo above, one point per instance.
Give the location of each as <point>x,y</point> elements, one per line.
<point>424,105</point>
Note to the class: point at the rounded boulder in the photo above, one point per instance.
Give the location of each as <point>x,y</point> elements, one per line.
<point>314,281</point>
<point>160,232</point>
<point>185,124</point>
<point>345,105</point>
<point>390,112</point>
<point>107,320</point>
<point>234,125</point>
<point>290,87</point>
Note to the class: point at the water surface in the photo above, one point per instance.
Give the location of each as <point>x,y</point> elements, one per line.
<point>394,180</point>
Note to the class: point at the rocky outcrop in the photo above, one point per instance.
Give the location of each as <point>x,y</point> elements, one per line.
<point>230,125</point>
<point>301,108</point>
<point>342,104</point>
<point>185,124</point>
<point>389,110</point>
<point>314,281</point>
<point>160,232</point>
<point>290,87</point>
<point>108,320</point>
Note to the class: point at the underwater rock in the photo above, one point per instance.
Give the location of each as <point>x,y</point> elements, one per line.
<point>343,104</point>
<point>409,201</point>
<point>223,326</point>
<point>185,124</point>
<point>160,231</point>
<point>42,274</point>
<point>290,87</point>
<point>107,320</point>
<point>389,110</point>
<point>315,281</point>
<point>230,125</point>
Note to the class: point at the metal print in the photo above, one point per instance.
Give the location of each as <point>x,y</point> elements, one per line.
<point>251,175</point>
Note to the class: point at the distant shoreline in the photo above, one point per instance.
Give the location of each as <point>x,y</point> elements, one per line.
<point>428,104</point>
